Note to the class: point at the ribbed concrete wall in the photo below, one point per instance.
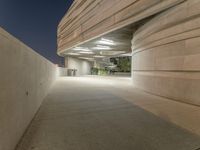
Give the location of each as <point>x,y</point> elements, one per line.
<point>88,19</point>
<point>25,78</point>
<point>166,54</point>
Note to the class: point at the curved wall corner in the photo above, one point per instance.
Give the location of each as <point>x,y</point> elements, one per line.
<point>166,54</point>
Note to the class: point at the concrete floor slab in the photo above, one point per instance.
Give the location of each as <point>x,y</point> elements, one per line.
<point>92,113</point>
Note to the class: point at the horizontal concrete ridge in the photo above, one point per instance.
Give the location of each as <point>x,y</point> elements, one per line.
<point>25,78</point>
<point>88,19</point>
<point>166,54</point>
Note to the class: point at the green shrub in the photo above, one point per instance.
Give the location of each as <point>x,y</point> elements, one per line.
<point>94,71</point>
<point>102,72</point>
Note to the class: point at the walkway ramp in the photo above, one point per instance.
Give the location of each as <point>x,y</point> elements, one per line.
<point>84,113</point>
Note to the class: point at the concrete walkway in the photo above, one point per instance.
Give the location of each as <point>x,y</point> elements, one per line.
<point>91,113</point>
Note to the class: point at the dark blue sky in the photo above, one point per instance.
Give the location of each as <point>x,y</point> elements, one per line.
<point>35,23</point>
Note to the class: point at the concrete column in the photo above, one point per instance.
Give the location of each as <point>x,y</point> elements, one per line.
<point>66,62</point>
<point>83,67</point>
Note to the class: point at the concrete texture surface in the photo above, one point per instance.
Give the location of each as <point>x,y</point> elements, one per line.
<point>25,78</point>
<point>165,46</point>
<point>88,19</point>
<point>83,67</point>
<point>93,113</point>
<point>166,53</point>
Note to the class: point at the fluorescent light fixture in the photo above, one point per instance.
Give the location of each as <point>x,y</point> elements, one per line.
<point>99,56</point>
<point>126,54</point>
<point>81,49</point>
<point>74,54</point>
<point>86,52</point>
<point>102,47</point>
<point>111,53</point>
<point>106,42</point>
<point>87,58</point>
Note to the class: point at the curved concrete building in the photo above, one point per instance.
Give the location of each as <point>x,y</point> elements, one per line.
<point>165,41</point>
<point>89,19</point>
<point>166,53</point>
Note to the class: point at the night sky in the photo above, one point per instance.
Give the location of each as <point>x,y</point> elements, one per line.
<point>34,22</point>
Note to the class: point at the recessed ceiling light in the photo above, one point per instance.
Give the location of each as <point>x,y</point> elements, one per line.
<point>87,58</point>
<point>74,54</point>
<point>99,56</point>
<point>110,53</point>
<point>106,42</point>
<point>81,49</point>
<point>126,54</point>
<point>102,47</point>
<point>86,52</point>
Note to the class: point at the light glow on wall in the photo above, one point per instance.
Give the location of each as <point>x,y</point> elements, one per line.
<point>57,71</point>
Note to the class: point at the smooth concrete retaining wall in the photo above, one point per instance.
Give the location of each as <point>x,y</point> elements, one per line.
<point>25,78</point>
<point>83,67</point>
<point>166,54</point>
